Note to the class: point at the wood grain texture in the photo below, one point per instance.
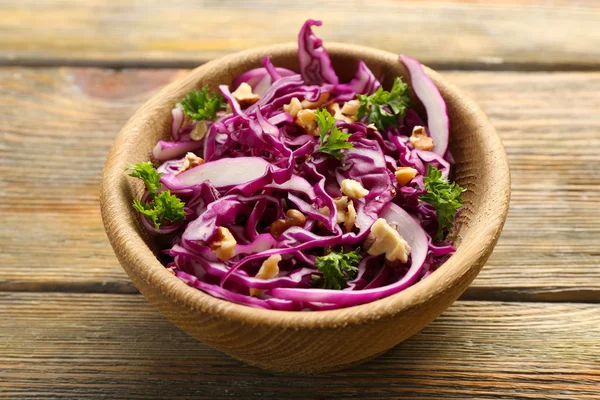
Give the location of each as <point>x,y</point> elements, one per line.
<point>550,126</point>
<point>58,125</point>
<point>558,34</point>
<point>112,346</point>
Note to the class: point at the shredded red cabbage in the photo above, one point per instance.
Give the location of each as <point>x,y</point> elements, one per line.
<point>259,192</point>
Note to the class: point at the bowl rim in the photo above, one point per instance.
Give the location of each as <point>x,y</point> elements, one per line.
<point>130,248</point>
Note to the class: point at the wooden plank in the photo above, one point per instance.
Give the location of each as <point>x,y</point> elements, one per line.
<point>549,124</point>
<point>538,34</point>
<point>107,346</point>
<point>58,127</point>
<point>59,124</point>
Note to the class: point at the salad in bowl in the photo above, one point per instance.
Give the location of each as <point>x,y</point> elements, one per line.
<point>298,192</point>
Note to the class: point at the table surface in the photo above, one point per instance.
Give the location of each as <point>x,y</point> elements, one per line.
<point>73,325</point>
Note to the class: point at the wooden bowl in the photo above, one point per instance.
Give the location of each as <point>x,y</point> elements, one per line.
<point>308,342</point>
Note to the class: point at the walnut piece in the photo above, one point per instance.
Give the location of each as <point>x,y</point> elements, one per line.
<point>405,175</point>
<point>191,161</point>
<point>307,120</point>
<point>346,213</point>
<point>268,270</point>
<point>420,140</point>
<point>353,189</point>
<point>293,218</point>
<point>223,244</point>
<point>199,131</point>
<point>341,204</point>
<point>350,108</point>
<point>315,104</point>
<point>293,108</point>
<point>350,217</point>
<point>334,109</point>
<point>244,96</point>
<point>388,241</point>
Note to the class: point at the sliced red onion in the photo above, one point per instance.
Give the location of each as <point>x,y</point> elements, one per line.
<point>262,243</point>
<point>177,121</point>
<point>221,293</point>
<point>171,166</point>
<point>273,73</point>
<point>313,59</point>
<point>281,118</point>
<point>435,160</point>
<point>259,79</point>
<point>226,172</point>
<point>282,86</point>
<point>364,82</point>
<point>295,184</point>
<point>218,213</point>
<point>168,150</point>
<point>235,106</point>
<point>219,269</point>
<point>437,113</point>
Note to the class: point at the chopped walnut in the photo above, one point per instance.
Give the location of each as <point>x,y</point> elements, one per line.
<point>350,108</point>
<point>387,240</point>
<point>325,211</point>
<point>268,270</point>
<point>292,218</point>
<point>341,204</point>
<point>293,108</point>
<point>223,244</point>
<point>350,217</point>
<point>244,96</point>
<point>199,130</point>
<point>353,189</point>
<point>405,175</point>
<point>420,140</point>
<point>334,109</point>
<point>307,120</point>
<point>346,213</point>
<point>191,161</point>
<point>316,104</point>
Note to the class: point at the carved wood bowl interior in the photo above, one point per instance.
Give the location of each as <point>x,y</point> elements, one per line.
<point>317,341</point>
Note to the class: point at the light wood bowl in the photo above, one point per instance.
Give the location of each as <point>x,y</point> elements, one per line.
<point>308,342</point>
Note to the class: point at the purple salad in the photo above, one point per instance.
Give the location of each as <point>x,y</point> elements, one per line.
<point>294,191</point>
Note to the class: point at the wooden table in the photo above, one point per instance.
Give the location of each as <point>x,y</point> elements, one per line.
<point>72,324</point>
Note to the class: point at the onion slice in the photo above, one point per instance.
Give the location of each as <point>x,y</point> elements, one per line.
<point>164,150</point>
<point>437,113</point>
<point>226,172</point>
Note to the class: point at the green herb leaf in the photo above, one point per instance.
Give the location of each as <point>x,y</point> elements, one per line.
<point>201,105</point>
<point>374,106</point>
<point>333,141</point>
<point>146,172</point>
<point>445,197</point>
<point>163,206</point>
<point>336,268</point>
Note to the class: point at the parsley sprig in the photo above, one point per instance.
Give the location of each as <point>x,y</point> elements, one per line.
<point>146,172</point>
<point>383,108</point>
<point>445,197</point>
<point>336,268</point>
<point>333,141</point>
<point>163,206</point>
<point>201,105</point>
